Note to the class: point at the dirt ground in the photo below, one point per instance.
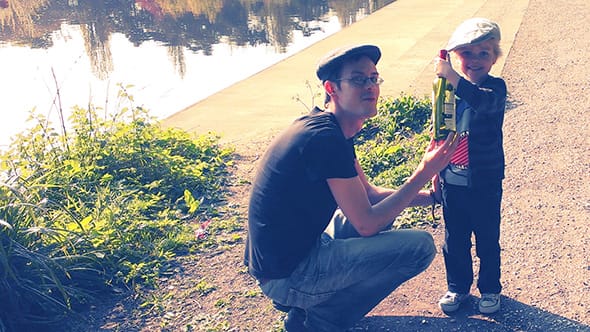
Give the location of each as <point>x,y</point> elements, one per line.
<point>546,214</point>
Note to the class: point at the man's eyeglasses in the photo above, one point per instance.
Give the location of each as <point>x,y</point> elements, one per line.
<point>361,81</point>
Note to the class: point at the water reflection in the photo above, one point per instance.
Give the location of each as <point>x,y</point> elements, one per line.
<point>189,30</point>
<point>194,25</point>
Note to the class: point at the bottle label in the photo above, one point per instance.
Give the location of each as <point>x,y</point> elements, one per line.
<point>443,109</point>
<point>449,112</point>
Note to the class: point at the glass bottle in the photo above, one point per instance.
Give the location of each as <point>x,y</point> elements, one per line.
<point>443,105</point>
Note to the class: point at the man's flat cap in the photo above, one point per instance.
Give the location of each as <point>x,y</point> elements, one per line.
<point>334,59</point>
<point>473,31</point>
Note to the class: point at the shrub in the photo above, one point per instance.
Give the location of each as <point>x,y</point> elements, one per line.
<point>391,144</point>
<point>110,202</point>
<point>394,140</point>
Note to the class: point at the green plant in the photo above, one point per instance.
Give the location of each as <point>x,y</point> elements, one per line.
<point>42,273</point>
<point>109,201</point>
<point>397,117</point>
<point>222,303</point>
<point>204,288</point>
<point>252,293</point>
<point>390,145</point>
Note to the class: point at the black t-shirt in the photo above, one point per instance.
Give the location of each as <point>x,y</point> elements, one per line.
<point>291,203</point>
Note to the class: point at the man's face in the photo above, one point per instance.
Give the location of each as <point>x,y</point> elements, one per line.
<point>356,95</point>
<point>477,60</point>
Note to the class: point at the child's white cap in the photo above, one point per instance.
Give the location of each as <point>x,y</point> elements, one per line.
<point>473,31</point>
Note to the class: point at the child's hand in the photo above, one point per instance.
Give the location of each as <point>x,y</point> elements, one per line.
<point>443,68</point>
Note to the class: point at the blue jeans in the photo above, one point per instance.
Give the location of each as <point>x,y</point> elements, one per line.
<point>470,211</point>
<point>345,275</point>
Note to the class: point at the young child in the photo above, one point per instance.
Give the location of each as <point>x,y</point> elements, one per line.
<point>470,188</point>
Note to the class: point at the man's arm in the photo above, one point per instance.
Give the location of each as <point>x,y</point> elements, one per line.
<point>376,194</point>
<point>370,209</point>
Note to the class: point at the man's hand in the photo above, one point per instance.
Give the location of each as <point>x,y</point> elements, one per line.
<point>439,154</point>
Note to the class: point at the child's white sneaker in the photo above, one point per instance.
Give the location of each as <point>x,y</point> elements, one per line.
<point>489,303</point>
<point>451,301</point>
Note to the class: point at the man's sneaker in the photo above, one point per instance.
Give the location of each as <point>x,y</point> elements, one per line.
<point>489,303</point>
<point>295,320</point>
<point>451,301</point>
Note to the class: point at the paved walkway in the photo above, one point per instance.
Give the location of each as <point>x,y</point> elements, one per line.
<point>409,33</point>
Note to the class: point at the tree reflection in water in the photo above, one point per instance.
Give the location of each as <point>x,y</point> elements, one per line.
<point>181,25</point>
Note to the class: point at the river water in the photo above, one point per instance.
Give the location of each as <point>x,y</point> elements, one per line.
<point>55,55</point>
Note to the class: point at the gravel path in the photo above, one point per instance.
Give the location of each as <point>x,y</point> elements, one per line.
<point>546,210</point>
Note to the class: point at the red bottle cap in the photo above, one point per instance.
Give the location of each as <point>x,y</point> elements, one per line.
<point>442,54</point>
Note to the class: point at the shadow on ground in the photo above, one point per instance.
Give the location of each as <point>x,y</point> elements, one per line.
<point>514,316</point>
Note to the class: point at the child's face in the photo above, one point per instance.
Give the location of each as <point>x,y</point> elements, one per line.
<point>477,60</point>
